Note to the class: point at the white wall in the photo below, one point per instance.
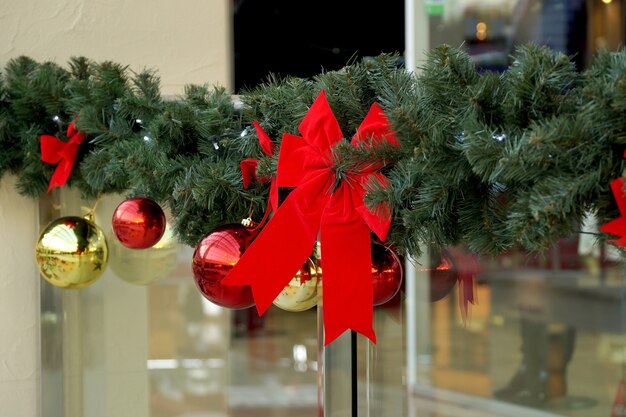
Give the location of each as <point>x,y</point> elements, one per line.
<point>187,41</point>
<point>19,304</point>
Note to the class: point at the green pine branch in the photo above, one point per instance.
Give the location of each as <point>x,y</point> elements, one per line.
<point>489,160</point>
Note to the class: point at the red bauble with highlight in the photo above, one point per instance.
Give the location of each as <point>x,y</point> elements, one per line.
<point>386,273</point>
<point>214,257</point>
<point>138,223</point>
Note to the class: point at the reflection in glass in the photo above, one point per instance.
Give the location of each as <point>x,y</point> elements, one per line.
<point>542,323</point>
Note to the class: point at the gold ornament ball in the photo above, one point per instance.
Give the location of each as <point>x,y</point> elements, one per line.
<point>144,266</point>
<point>302,291</point>
<point>71,252</point>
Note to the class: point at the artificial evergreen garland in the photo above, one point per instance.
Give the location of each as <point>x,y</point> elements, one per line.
<point>489,160</point>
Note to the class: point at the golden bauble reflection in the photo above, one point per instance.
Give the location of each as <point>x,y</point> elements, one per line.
<point>144,266</point>
<point>71,252</point>
<point>302,291</point>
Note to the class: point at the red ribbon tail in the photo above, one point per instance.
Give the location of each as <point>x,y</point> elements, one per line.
<point>274,195</point>
<point>71,129</point>
<point>266,143</point>
<point>466,286</point>
<point>51,147</point>
<point>347,275</point>
<point>619,242</point>
<point>61,174</point>
<point>283,246</point>
<point>618,226</point>
<point>248,171</point>
<point>617,187</point>
<point>77,138</point>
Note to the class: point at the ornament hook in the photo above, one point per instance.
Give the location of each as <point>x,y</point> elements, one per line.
<point>91,214</point>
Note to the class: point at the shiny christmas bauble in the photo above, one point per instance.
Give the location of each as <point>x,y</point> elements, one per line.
<point>301,292</point>
<point>386,273</point>
<point>147,266</point>
<point>138,223</point>
<point>214,257</point>
<point>71,252</point>
<point>443,275</point>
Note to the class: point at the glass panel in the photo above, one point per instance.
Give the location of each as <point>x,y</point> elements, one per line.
<point>547,333</point>
<point>383,373</point>
<point>492,29</point>
<point>162,350</point>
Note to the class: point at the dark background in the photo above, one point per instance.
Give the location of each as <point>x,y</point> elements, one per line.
<point>304,38</point>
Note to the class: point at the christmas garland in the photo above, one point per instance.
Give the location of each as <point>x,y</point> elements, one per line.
<point>489,160</point>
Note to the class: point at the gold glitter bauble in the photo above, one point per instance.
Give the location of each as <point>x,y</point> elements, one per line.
<point>144,266</point>
<point>71,252</point>
<point>301,293</point>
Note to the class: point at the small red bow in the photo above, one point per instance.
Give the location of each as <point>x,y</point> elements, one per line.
<point>618,226</point>
<point>55,151</point>
<point>327,202</point>
<point>248,166</point>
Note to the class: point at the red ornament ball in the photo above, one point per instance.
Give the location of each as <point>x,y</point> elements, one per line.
<point>138,223</point>
<point>214,257</point>
<point>386,273</point>
<point>443,275</point>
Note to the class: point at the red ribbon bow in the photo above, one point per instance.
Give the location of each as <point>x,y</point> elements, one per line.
<point>329,203</point>
<point>55,151</point>
<point>248,166</point>
<point>618,226</point>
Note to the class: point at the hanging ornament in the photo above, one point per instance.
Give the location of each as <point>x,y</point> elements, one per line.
<point>386,273</point>
<point>301,292</point>
<point>454,265</point>
<point>143,267</point>
<point>214,257</point>
<point>443,275</point>
<point>138,223</point>
<point>71,252</point>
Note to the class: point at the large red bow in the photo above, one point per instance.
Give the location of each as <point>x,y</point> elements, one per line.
<point>55,151</point>
<point>248,166</point>
<point>328,202</point>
